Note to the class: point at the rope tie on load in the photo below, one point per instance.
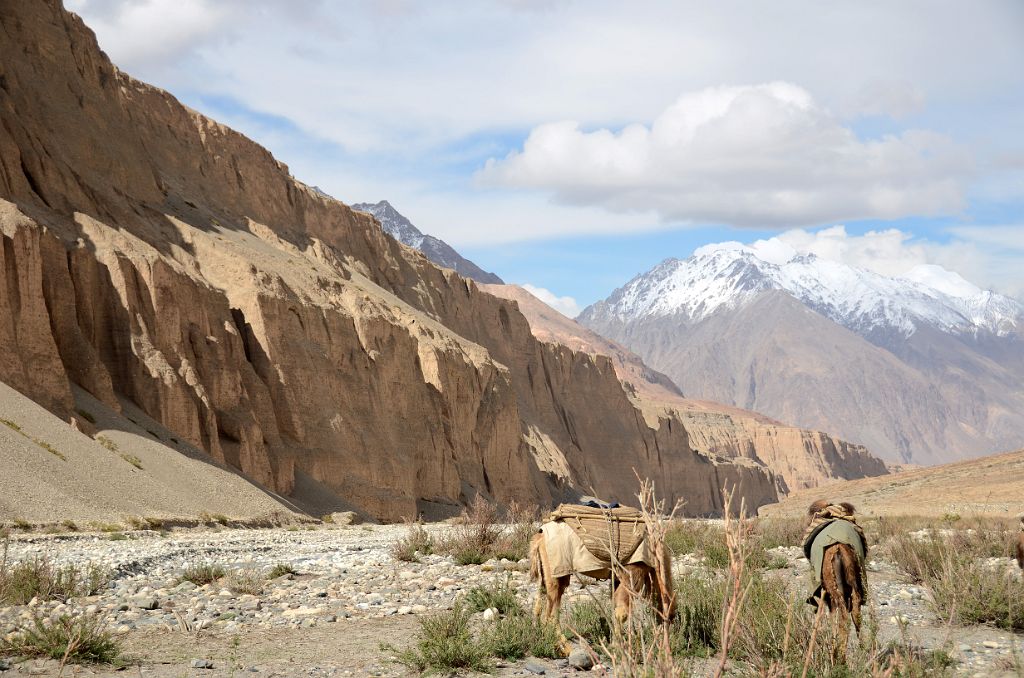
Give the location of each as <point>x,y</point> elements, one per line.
<point>602,530</point>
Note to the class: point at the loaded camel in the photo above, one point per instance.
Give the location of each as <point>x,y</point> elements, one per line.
<point>602,544</point>
<point>836,548</point>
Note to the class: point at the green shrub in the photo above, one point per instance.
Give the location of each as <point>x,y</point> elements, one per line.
<point>970,592</point>
<point>40,578</point>
<point>589,621</point>
<point>479,535</point>
<point>80,639</point>
<point>280,570</point>
<point>444,644</point>
<point>50,448</point>
<point>501,596</point>
<point>699,605</point>
<point>468,555</point>
<point>778,531</point>
<point>202,574</point>
<point>518,636</point>
<point>107,443</point>
<point>132,459</point>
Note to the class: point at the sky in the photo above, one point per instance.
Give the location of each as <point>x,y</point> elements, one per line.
<point>569,146</point>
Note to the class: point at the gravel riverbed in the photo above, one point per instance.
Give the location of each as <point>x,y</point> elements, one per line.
<point>346,597</point>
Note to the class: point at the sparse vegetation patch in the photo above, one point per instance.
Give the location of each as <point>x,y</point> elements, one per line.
<point>247,581</point>
<point>75,639</point>
<point>417,542</point>
<point>203,573</point>
<point>39,578</point>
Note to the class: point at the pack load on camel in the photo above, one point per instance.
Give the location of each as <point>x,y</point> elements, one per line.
<point>588,539</point>
<point>836,549</point>
<point>601,541</point>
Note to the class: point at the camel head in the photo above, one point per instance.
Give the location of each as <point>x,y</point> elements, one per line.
<point>817,506</point>
<point>822,504</point>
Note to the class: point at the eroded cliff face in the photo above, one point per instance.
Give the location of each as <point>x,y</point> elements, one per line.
<point>799,458</point>
<point>151,253</point>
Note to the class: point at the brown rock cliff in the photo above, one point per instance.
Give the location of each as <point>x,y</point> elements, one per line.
<point>800,458</point>
<point>152,253</point>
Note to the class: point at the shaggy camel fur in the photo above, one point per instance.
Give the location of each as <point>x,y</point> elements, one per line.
<point>632,580</point>
<point>842,580</point>
<point>1019,548</point>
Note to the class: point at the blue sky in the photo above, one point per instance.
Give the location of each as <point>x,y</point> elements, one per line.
<point>571,145</point>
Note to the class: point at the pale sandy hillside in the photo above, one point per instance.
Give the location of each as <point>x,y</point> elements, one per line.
<point>52,472</point>
<point>989,486</point>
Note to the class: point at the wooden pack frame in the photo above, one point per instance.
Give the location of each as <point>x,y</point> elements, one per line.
<point>602,530</point>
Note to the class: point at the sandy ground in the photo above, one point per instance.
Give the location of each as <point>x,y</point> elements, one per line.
<point>989,486</point>
<point>52,472</point>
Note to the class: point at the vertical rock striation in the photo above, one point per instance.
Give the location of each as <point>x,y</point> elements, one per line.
<point>150,253</point>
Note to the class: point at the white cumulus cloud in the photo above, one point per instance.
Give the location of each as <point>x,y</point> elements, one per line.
<point>986,256</point>
<point>567,306</point>
<point>147,31</point>
<point>761,155</point>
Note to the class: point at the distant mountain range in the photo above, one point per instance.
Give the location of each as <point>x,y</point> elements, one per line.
<point>922,368</point>
<point>435,249</point>
<point>799,458</point>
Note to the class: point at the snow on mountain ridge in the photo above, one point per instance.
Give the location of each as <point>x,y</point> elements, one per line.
<point>727,275</point>
<point>395,224</point>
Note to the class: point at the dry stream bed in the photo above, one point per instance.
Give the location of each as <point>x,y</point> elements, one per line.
<point>347,594</point>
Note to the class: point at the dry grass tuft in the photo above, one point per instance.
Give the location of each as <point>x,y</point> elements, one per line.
<point>417,542</point>
<point>39,578</point>
<point>246,581</point>
<point>79,639</point>
<point>480,534</point>
<point>203,573</point>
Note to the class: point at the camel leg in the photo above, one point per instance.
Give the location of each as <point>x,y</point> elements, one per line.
<point>556,587</point>
<point>539,604</point>
<point>629,581</point>
<point>555,590</point>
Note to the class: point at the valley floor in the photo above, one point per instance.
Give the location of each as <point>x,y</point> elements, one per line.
<point>348,595</point>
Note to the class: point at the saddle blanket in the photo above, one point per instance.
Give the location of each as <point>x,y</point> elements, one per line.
<point>835,532</point>
<point>567,554</point>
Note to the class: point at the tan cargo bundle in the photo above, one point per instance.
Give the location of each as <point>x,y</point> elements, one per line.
<point>621,528</point>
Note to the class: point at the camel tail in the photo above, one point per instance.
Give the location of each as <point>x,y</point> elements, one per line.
<point>842,577</point>
<point>536,563</point>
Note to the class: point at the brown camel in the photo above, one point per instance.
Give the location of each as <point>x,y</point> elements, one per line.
<point>655,583</point>
<point>1019,547</point>
<point>842,574</point>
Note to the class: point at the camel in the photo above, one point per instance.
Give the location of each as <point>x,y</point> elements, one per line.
<point>630,581</point>
<point>1019,546</point>
<point>842,573</point>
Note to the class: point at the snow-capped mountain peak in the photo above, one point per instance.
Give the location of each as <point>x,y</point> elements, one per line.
<point>727,275</point>
<point>395,224</point>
